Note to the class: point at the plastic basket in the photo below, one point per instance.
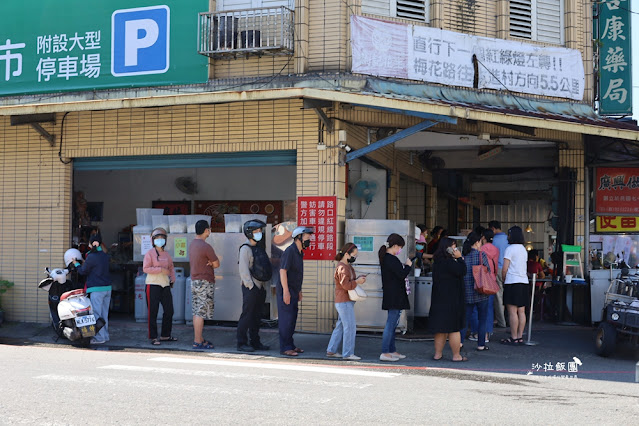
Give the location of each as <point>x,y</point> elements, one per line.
<point>177,224</point>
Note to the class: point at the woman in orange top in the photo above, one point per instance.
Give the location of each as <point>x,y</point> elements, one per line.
<point>346,326</point>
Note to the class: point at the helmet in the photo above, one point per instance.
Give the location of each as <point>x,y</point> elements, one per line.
<point>252,225</point>
<point>302,230</point>
<point>157,232</point>
<point>71,254</point>
<point>59,275</point>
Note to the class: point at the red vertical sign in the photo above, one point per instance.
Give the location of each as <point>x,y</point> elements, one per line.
<point>320,213</point>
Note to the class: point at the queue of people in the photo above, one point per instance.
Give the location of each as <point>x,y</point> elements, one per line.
<point>455,303</point>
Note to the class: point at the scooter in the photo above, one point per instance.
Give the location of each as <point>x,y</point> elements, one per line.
<point>70,308</point>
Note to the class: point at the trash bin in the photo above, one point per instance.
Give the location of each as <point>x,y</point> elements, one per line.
<point>140,298</point>
<point>178,293</point>
<point>188,296</point>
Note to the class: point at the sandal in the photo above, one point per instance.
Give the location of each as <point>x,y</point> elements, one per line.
<point>464,359</point>
<point>299,350</point>
<point>290,352</point>
<point>438,359</point>
<point>509,341</point>
<point>155,342</point>
<point>520,341</point>
<point>204,345</point>
<point>168,339</point>
<point>485,348</point>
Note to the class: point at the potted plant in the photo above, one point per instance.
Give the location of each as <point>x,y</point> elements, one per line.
<point>4,286</point>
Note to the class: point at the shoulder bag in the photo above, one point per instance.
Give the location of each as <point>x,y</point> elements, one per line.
<point>357,294</point>
<point>485,281</point>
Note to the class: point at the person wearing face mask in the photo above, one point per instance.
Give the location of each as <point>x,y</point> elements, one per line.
<point>160,276</point>
<point>289,289</point>
<point>394,297</point>
<point>98,284</point>
<point>255,273</point>
<point>346,326</point>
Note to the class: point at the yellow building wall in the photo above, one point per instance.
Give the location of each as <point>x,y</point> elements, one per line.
<point>35,196</point>
<point>36,185</point>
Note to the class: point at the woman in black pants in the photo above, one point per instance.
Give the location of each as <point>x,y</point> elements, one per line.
<point>160,276</point>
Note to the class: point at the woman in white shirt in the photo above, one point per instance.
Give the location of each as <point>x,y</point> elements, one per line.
<point>516,287</point>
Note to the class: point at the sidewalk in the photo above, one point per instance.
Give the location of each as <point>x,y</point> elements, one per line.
<point>556,345</point>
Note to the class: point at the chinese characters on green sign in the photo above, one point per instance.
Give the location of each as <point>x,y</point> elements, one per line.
<point>615,77</point>
<point>75,45</point>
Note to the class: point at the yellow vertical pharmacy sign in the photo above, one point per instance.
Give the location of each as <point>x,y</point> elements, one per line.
<point>615,76</point>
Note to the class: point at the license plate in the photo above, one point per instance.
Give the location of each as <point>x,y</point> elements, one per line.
<point>85,320</point>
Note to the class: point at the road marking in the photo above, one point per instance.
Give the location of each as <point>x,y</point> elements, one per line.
<point>283,367</point>
<point>209,373</point>
<point>172,387</point>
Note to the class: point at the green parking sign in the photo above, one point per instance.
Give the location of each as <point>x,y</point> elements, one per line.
<point>75,45</point>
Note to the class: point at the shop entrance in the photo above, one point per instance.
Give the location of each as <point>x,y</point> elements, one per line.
<point>108,191</point>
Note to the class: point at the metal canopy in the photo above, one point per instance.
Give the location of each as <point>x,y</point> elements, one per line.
<point>431,120</point>
<point>389,140</point>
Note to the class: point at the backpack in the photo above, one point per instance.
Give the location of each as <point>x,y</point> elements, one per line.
<point>261,269</point>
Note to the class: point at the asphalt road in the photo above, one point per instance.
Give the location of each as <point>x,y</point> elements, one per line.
<point>58,385</point>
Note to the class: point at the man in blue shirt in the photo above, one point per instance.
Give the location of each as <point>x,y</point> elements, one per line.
<point>500,240</point>
<point>289,289</point>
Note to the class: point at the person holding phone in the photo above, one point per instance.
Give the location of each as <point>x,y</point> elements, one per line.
<point>394,297</point>
<point>346,327</point>
<point>447,311</point>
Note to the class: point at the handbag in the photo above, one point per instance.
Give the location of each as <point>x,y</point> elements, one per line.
<point>485,281</point>
<point>357,294</point>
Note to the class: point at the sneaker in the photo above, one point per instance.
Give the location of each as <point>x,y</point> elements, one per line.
<point>351,357</point>
<point>333,355</point>
<point>94,341</point>
<point>472,337</point>
<point>388,358</point>
<point>245,348</point>
<point>398,355</point>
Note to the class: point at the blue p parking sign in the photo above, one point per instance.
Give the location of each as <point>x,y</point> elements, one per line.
<point>140,41</point>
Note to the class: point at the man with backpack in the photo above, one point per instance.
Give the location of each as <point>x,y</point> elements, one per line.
<point>255,273</point>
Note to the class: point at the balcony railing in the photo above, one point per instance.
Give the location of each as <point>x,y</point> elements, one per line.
<point>246,31</point>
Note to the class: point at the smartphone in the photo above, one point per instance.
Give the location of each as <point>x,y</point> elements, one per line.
<point>450,250</point>
<point>362,275</point>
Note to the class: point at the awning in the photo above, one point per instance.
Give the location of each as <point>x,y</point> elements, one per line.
<point>575,124</point>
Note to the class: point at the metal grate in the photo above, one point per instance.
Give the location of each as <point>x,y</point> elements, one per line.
<point>412,9</point>
<point>521,19</point>
<point>249,31</point>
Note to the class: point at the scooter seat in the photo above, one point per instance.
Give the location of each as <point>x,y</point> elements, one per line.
<point>68,294</point>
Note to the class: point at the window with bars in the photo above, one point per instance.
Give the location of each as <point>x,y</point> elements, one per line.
<point>224,5</point>
<point>416,10</point>
<point>539,20</point>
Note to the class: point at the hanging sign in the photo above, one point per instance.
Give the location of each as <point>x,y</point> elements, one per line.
<point>434,55</point>
<point>63,45</point>
<point>617,224</point>
<point>615,81</point>
<point>320,213</point>
<point>617,191</point>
